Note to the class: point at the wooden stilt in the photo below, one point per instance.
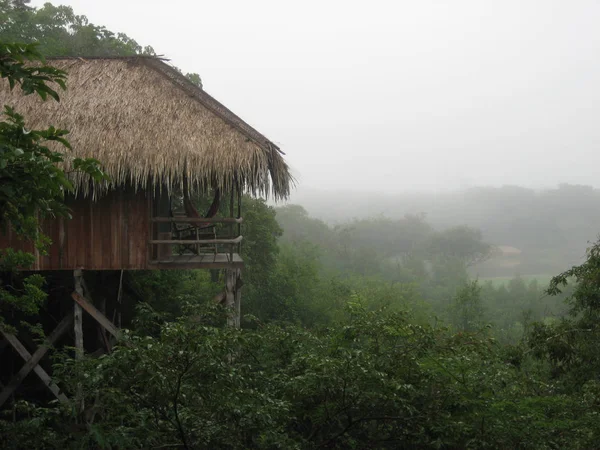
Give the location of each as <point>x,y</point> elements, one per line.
<point>232,297</point>
<point>97,315</point>
<point>33,361</point>
<point>78,328</point>
<point>78,315</point>
<point>237,310</point>
<point>119,297</point>
<point>230,278</point>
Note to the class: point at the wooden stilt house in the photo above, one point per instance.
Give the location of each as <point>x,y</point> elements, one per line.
<point>161,139</point>
<point>156,134</point>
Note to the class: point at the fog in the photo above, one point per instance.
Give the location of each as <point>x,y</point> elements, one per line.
<point>392,96</point>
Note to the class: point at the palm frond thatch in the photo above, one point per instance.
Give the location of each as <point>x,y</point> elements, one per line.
<point>150,127</point>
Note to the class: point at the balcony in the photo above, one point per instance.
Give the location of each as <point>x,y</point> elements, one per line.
<point>196,243</point>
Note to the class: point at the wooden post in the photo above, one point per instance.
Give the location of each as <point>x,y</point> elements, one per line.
<point>237,309</point>
<point>86,304</point>
<point>239,216</point>
<point>119,303</point>
<point>163,231</point>
<point>231,210</point>
<point>61,241</point>
<point>78,315</point>
<point>238,281</point>
<point>165,251</point>
<point>230,279</point>
<point>78,328</point>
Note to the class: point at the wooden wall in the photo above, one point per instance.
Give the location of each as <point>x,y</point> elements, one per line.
<point>107,234</point>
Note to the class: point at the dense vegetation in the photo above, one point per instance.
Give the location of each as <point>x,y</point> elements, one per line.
<point>368,334</point>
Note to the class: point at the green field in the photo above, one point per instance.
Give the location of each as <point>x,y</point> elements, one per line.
<point>542,279</point>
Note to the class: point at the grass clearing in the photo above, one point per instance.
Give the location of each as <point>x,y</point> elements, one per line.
<point>542,279</point>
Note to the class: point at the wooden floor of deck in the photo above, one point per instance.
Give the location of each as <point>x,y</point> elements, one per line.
<point>204,261</point>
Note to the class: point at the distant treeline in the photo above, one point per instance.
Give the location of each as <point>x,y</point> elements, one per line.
<point>407,263</point>
<point>550,228</point>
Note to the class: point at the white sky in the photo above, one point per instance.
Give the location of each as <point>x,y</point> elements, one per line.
<point>394,95</point>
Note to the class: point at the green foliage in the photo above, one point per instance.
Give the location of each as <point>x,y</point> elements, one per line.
<point>462,243</point>
<point>19,296</point>
<point>467,309</point>
<point>571,344</point>
<point>375,380</point>
<point>167,292</point>
<point>194,78</point>
<point>61,32</point>
<point>585,299</point>
<point>405,262</point>
<point>32,79</point>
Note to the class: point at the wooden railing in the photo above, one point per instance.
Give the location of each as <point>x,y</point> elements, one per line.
<point>228,220</point>
<point>231,242</point>
<point>225,241</point>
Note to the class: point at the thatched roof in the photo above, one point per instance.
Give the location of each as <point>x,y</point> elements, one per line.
<point>147,123</point>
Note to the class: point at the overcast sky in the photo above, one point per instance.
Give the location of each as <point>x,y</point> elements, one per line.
<point>394,95</point>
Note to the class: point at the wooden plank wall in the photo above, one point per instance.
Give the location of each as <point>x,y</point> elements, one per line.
<point>107,234</point>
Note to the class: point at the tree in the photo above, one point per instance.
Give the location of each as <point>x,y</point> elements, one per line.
<point>61,32</point>
<point>571,344</point>
<point>32,181</point>
<point>462,243</point>
<point>194,78</point>
<point>467,308</point>
<point>375,380</point>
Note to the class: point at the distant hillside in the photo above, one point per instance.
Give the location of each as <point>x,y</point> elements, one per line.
<point>549,227</point>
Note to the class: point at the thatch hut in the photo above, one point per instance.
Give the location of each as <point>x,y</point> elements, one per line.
<point>156,134</point>
<point>160,139</point>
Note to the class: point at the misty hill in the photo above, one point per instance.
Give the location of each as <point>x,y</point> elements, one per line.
<point>541,231</point>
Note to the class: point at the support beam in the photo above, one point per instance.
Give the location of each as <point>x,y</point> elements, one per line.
<point>103,337</point>
<point>32,362</point>
<point>97,315</point>
<point>39,371</point>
